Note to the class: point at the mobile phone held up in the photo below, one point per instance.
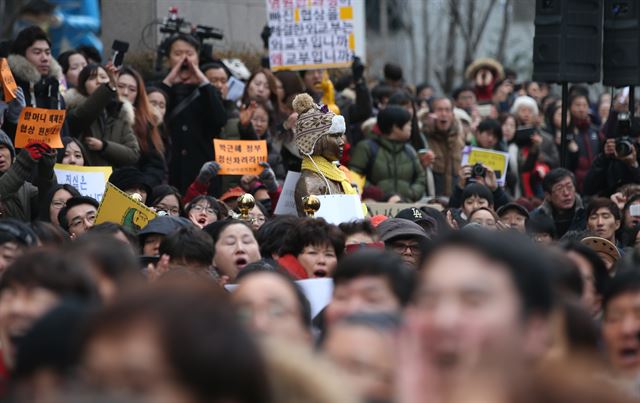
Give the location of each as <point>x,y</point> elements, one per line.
<point>118,50</point>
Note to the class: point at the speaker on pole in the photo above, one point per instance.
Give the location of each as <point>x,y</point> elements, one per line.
<point>567,46</point>
<point>621,49</point>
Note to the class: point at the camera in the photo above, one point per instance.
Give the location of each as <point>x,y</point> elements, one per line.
<point>624,142</point>
<point>477,170</point>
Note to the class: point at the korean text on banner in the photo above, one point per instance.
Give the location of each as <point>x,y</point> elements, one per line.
<point>336,209</point>
<point>309,35</point>
<point>89,181</point>
<point>38,125</point>
<point>9,86</point>
<point>240,157</point>
<point>494,160</point>
<point>118,207</point>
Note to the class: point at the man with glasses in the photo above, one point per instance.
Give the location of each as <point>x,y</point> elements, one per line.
<point>562,203</point>
<point>78,215</point>
<point>403,237</point>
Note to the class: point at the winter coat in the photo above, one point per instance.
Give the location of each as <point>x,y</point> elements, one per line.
<point>39,91</point>
<point>19,198</point>
<point>608,174</point>
<point>589,143</point>
<point>578,220</point>
<point>195,116</point>
<point>396,168</point>
<point>152,165</point>
<point>102,116</point>
<point>447,146</point>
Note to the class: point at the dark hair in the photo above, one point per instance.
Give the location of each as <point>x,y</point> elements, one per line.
<point>400,98</point>
<point>272,233</point>
<point>312,231</point>
<point>260,267</point>
<point>113,258</point>
<point>292,85</point>
<point>477,189</point>
<point>205,345</point>
<point>90,52</point>
<point>526,264</point>
<point>381,91</point>
<point>541,224</point>
<point>459,90</point>
<point>49,234</point>
<point>358,226</point>
<point>71,203</point>
<point>44,214</point>
<point>422,86</point>
<point>603,202</point>
<point>189,246</point>
<point>598,268</point>
<point>487,209</point>
<point>215,229</point>
<point>215,66</point>
<point>271,82</point>
<point>111,229</point>
<point>212,201</point>
<point>625,281</point>
<point>151,89</point>
<point>378,263</point>
<point>52,271</point>
<point>161,191</point>
<point>565,274</point>
<point>190,39</point>
<point>555,176</point>
<point>26,38</point>
<point>392,115</point>
<point>64,57</point>
<point>89,71</point>
<point>491,125</point>
<point>68,140</point>
<point>392,71</point>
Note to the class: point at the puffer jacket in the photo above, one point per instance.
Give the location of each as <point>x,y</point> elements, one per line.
<point>447,147</point>
<point>396,168</point>
<point>19,198</point>
<point>103,116</point>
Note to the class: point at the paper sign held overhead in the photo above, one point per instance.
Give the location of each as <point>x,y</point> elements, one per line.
<point>118,207</point>
<point>336,209</point>
<point>240,157</point>
<point>9,86</point>
<point>495,160</point>
<point>287,202</point>
<point>315,34</point>
<point>39,125</point>
<point>89,181</point>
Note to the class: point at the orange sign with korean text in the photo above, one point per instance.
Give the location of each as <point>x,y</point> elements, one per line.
<point>240,157</point>
<point>9,85</point>
<point>38,125</point>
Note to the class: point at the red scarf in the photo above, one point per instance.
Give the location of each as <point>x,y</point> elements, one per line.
<point>293,267</point>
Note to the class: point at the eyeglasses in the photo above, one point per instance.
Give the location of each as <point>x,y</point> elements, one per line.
<point>58,204</point>
<point>167,209</point>
<point>257,219</point>
<point>400,247</point>
<point>200,209</point>
<point>562,188</point>
<point>89,218</point>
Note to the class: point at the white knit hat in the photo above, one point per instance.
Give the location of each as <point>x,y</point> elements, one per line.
<point>527,101</point>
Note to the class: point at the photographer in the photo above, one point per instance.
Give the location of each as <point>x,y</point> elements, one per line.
<point>618,164</point>
<point>484,175</point>
<point>195,113</point>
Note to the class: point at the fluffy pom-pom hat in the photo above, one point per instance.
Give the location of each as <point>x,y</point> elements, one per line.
<point>314,121</point>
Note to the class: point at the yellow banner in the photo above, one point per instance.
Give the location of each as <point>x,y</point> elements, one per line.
<point>120,208</point>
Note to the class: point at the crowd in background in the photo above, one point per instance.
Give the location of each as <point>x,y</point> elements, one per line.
<point>527,291</point>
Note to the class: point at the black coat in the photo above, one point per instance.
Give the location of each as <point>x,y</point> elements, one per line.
<point>607,174</point>
<point>195,116</point>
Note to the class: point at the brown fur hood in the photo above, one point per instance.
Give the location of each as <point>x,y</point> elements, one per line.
<point>73,98</point>
<point>23,70</point>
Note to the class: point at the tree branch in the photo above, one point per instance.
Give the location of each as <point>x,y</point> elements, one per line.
<point>483,24</point>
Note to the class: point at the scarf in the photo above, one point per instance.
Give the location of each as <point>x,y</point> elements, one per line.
<point>326,169</point>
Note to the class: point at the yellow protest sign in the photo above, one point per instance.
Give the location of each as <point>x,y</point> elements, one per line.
<point>240,157</point>
<point>118,207</point>
<point>495,160</point>
<point>9,86</point>
<point>39,125</point>
<point>89,181</point>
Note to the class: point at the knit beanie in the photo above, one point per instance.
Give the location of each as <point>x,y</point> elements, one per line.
<point>525,100</point>
<point>314,122</point>
<point>128,178</point>
<point>6,141</point>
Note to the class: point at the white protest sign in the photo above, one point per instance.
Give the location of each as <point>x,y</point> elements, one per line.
<point>89,181</point>
<point>336,209</point>
<point>317,290</point>
<point>315,34</point>
<point>495,160</point>
<point>287,201</point>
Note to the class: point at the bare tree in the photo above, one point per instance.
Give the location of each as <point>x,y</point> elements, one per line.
<point>470,33</point>
<point>446,78</point>
<point>504,31</point>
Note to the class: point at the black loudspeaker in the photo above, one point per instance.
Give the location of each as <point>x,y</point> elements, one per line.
<point>621,62</point>
<point>568,41</point>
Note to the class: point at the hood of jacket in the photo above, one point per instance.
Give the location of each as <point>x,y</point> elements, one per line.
<point>23,70</point>
<point>73,98</point>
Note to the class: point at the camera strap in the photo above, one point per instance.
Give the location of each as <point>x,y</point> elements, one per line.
<point>185,102</point>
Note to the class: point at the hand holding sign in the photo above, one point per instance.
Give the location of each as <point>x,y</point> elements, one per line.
<point>240,157</point>
<point>38,125</point>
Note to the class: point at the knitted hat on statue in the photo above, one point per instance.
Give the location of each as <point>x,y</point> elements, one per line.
<point>314,121</point>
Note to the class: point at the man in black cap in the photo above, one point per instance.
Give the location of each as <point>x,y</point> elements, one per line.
<point>15,238</point>
<point>78,215</point>
<point>421,218</point>
<point>152,235</point>
<point>130,180</point>
<point>403,237</point>
<point>514,216</point>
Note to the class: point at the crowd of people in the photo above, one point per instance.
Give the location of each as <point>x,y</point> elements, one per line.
<point>480,291</point>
